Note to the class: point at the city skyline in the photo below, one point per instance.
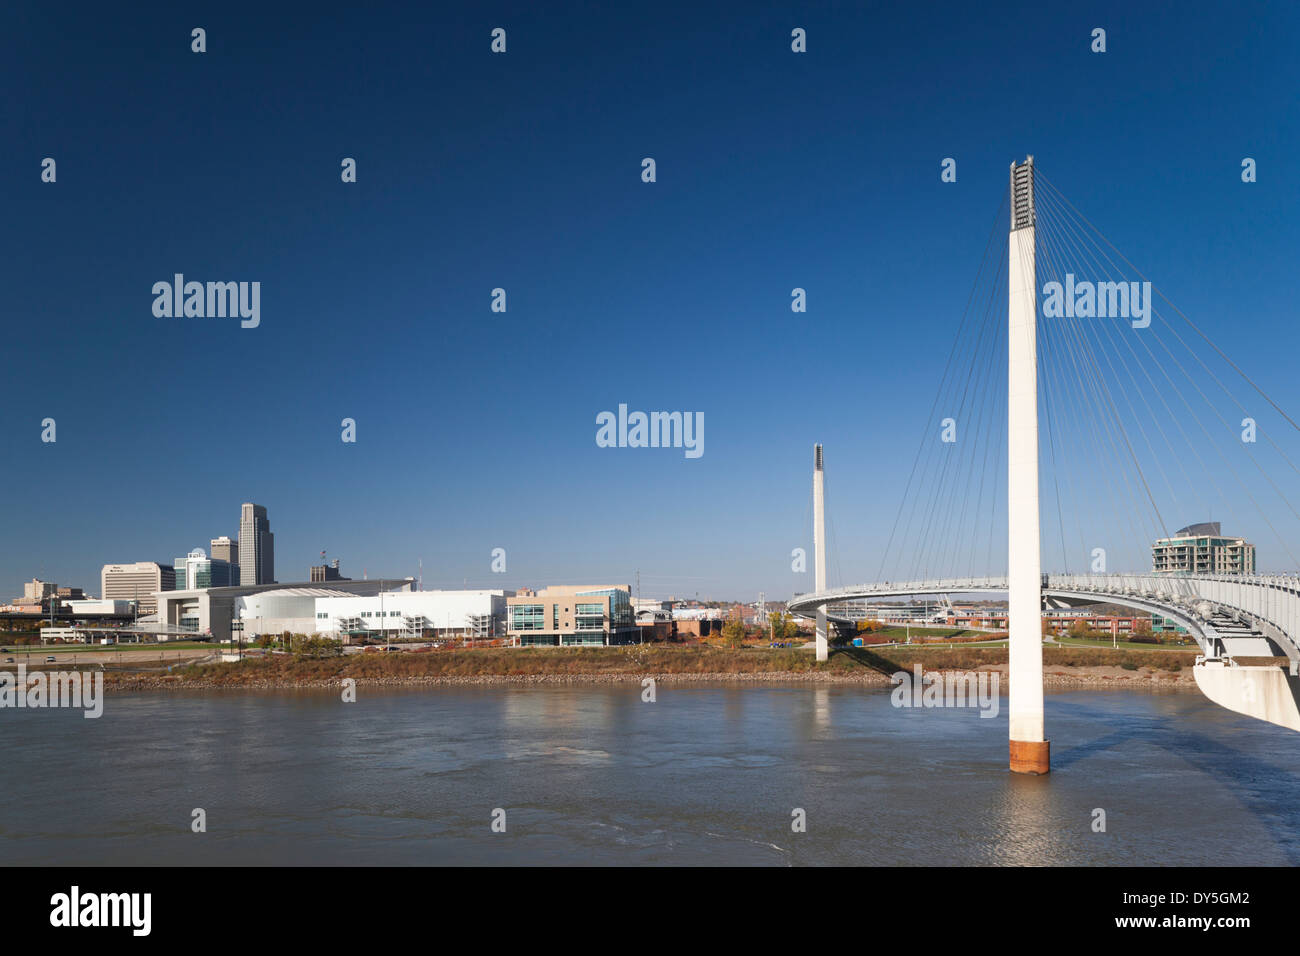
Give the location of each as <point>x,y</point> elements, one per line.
<point>509,583</point>
<point>376,296</point>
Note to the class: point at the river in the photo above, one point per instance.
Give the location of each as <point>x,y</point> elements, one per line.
<point>591,774</point>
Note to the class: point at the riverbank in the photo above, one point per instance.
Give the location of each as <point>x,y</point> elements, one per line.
<point>1063,667</point>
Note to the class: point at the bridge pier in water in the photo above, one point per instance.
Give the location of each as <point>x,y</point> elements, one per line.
<point>1029,750</point>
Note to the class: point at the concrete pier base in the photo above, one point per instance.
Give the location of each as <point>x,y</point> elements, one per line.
<point>1263,692</point>
<point>1031,756</point>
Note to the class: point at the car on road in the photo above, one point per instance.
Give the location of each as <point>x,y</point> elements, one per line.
<point>51,659</point>
<point>9,660</point>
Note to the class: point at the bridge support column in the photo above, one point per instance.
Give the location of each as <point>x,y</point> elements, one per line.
<point>819,549</point>
<point>1029,750</point>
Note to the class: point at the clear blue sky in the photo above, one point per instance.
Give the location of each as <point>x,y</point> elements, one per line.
<point>476,429</point>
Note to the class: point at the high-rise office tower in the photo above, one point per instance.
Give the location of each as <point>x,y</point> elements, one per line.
<point>137,582</point>
<point>223,549</point>
<point>256,546</point>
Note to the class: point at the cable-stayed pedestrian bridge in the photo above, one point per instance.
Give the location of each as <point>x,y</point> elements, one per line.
<point>1228,614</point>
<point>1078,433</point>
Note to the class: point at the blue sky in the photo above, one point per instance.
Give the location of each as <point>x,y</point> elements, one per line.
<point>476,429</point>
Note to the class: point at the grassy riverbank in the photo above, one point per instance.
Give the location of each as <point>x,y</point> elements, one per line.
<point>539,665</point>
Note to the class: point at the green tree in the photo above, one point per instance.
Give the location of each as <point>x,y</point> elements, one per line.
<point>782,626</point>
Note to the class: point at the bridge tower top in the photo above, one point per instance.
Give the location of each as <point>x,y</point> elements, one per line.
<point>1022,194</point>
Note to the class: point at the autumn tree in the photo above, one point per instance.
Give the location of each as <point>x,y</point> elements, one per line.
<point>733,632</point>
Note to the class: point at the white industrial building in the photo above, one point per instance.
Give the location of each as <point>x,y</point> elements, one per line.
<point>336,613</point>
<point>212,612</point>
<point>284,609</point>
<point>414,614</point>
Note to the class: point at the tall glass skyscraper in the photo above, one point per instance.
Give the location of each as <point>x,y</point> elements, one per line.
<point>256,546</point>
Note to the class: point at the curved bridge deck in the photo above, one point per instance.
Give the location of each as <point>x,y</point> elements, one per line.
<point>1214,609</point>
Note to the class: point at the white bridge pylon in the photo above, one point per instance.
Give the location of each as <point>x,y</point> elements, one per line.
<point>1029,750</point>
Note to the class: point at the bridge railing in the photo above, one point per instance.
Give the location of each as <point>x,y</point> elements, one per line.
<point>1269,604</point>
<point>1267,598</point>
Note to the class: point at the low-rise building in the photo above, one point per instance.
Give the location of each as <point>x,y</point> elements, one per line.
<point>569,615</point>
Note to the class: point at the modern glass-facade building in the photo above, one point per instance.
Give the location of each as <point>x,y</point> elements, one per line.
<point>572,616</point>
<point>196,570</point>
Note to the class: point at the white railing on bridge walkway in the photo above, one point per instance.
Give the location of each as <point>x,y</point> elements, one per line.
<point>1269,603</point>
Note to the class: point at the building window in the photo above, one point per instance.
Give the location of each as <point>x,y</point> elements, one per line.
<point>591,617</point>
<point>527,617</point>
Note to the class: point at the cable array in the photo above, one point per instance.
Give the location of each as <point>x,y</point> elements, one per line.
<point>1145,424</point>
